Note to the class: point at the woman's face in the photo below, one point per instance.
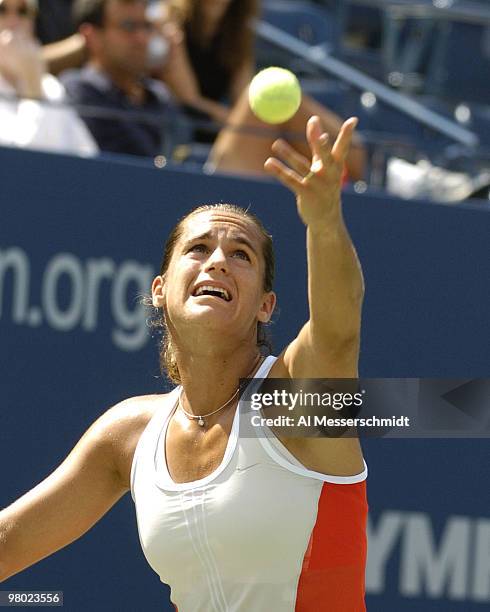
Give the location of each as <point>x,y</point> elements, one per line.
<point>215,278</point>
<point>16,16</point>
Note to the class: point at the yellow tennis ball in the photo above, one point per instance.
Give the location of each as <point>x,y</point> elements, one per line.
<point>274,95</point>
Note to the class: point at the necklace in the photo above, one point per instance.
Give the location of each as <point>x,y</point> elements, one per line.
<point>200,417</point>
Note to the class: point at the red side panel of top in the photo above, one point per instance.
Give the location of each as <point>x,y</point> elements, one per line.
<point>332,576</point>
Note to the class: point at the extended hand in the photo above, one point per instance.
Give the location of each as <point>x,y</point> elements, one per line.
<point>316,183</point>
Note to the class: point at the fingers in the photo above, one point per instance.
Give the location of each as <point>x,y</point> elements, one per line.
<point>301,170</point>
<point>318,140</point>
<point>342,143</point>
<point>288,177</point>
<point>295,160</point>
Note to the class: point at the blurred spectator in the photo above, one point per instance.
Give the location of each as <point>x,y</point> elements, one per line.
<point>211,60</point>
<point>208,67</point>
<point>138,110</point>
<point>118,36</point>
<point>31,102</point>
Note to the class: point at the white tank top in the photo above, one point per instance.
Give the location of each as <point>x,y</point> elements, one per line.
<point>261,533</point>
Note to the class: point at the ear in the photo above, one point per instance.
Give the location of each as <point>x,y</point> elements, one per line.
<point>267,307</point>
<point>90,33</point>
<point>158,291</point>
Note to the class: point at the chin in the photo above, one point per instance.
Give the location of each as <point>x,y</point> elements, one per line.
<point>209,314</point>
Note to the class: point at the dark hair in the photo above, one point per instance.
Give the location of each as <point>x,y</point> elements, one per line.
<point>32,7</point>
<point>234,38</point>
<point>93,11</point>
<point>168,362</point>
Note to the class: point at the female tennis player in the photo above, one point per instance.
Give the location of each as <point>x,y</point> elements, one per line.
<point>231,522</point>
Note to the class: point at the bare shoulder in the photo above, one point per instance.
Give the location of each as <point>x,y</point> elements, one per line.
<point>120,428</point>
<point>332,456</point>
<point>303,357</point>
<point>279,369</point>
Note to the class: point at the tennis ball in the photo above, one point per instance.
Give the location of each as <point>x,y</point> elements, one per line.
<point>274,95</point>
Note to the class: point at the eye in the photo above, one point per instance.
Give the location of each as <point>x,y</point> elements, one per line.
<point>241,255</point>
<point>200,248</point>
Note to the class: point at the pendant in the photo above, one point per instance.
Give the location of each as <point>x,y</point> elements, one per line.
<point>201,422</point>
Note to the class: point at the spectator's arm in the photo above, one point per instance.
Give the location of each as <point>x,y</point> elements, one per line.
<point>179,76</point>
<point>63,54</point>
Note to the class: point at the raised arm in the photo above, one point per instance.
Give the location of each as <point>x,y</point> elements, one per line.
<point>328,344</point>
<point>73,498</point>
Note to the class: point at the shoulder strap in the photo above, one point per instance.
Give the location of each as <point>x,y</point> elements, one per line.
<point>149,438</point>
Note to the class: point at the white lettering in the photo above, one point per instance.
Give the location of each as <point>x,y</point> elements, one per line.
<point>16,259</point>
<point>380,545</point>
<point>71,293</point>
<point>97,271</point>
<point>69,265</point>
<point>481,575</point>
<point>133,333</point>
<point>255,401</point>
<point>267,399</point>
<point>421,564</point>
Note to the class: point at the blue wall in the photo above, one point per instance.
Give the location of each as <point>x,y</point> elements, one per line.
<point>85,237</point>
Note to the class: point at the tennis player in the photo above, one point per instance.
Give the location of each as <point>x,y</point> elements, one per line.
<point>233,523</point>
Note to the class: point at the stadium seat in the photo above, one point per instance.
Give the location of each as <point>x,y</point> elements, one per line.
<point>460,64</point>
<point>309,23</point>
<point>331,93</point>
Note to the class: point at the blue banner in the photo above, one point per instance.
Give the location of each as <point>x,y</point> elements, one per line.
<point>80,241</point>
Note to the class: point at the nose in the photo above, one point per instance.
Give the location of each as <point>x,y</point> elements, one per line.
<point>142,36</point>
<point>217,261</point>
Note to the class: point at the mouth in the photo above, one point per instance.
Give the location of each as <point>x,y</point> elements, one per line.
<point>212,291</point>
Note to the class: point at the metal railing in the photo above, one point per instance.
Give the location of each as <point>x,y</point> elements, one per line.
<point>320,58</point>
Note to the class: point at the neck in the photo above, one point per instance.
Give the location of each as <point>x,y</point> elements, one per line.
<point>208,381</point>
<point>208,31</point>
<point>210,26</point>
<point>126,81</point>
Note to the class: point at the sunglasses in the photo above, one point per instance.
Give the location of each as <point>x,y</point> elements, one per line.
<point>131,26</point>
<point>21,11</point>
